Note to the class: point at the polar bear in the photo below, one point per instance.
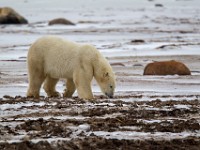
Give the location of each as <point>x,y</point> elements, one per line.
<point>51,58</point>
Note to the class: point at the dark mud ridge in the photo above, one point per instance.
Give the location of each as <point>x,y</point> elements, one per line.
<point>120,123</point>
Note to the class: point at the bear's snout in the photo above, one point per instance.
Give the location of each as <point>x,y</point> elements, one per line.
<point>110,95</point>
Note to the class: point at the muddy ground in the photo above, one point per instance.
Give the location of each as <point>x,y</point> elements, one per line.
<point>51,123</point>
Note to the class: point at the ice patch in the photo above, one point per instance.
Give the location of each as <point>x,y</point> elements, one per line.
<point>182,106</point>
<point>132,135</point>
<point>20,105</point>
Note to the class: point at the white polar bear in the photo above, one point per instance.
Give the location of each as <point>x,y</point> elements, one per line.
<point>51,58</point>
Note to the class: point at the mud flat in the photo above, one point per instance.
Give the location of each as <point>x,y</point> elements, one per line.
<point>101,124</point>
<point>147,112</point>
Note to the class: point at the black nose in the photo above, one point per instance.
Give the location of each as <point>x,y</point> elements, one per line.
<point>109,95</point>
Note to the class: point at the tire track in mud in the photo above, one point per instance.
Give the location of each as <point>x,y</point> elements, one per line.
<point>104,123</point>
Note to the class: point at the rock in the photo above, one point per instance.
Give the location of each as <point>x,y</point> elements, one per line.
<point>117,64</point>
<point>8,97</point>
<point>166,68</point>
<point>158,5</point>
<point>62,21</point>
<point>137,41</point>
<point>10,16</point>
<point>137,65</point>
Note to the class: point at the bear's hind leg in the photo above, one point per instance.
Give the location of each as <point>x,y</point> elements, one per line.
<point>69,91</point>
<point>50,87</point>
<point>35,82</point>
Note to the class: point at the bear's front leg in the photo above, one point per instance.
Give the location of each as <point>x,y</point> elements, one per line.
<point>69,91</point>
<point>82,82</point>
<point>85,92</point>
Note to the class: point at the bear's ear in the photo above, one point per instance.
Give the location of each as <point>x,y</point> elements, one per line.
<point>106,74</point>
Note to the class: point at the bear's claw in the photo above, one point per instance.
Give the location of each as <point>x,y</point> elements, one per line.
<point>55,94</point>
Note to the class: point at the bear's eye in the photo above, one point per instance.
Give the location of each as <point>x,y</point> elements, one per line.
<point>111,86</point>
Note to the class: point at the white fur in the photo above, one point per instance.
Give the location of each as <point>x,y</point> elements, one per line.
<point>51,58</point>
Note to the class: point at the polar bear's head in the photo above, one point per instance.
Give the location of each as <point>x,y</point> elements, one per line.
<point>107,83</point>
<point>103,74</point>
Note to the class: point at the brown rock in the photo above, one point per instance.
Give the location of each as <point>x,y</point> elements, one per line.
<point>138,41</point>
<point>10,16</point>
<point>61,21</point>
<point>166,68</point>
<point>158,5</point>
